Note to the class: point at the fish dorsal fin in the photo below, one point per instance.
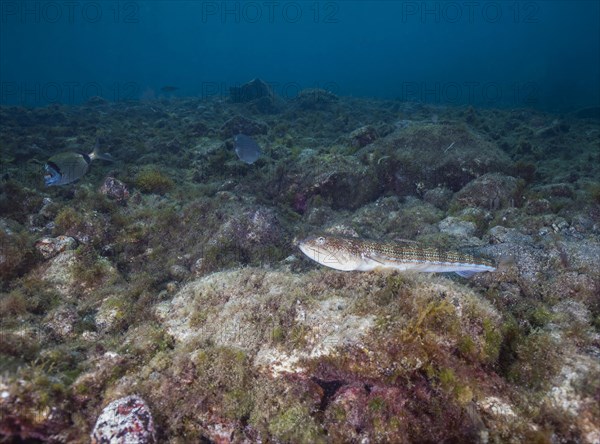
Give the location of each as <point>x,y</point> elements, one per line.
<point>86,157</point>
<point>406,241</point>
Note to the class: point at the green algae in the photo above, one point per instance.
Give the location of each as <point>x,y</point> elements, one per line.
<point>540,316</point>
<point>492,336</point>
<point>152,180</point>
<point>67,219</point>
<point>453,385</point>
<point>18,255</point>
<point>39,296</point>
<point>13,304</point>
<point>594,191</point>
<point>142,343</point>
<point>88,268</point>
<point>537,361</point>
<point>296,425</point>
<point>377,404</point>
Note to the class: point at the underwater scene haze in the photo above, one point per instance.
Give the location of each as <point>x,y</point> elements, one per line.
<point>299,221</point>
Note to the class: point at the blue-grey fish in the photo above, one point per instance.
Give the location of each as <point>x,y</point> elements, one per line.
<point>246,148</point>
<point>348,254</point>
<point>68,167</point>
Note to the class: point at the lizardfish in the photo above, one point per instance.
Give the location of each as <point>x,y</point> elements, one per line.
<point>349,254</point>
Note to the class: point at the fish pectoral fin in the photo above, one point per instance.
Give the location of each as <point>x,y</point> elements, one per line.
<point>466,274</point>
<point>373,257</point>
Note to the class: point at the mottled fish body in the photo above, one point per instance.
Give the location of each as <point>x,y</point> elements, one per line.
<point>64,168</point>
<point>353,254</point>
<point>246,148</point>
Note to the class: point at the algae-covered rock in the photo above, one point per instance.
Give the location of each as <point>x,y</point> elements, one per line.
<point>315,99</point>
<point>344,183</point>
<point>361,412</point>
<point>111,313</point>
<point>16,252</point>
<point>226,308</point>
<point>391,218</point>
<point>179,272</point>
<point>457,227</point>
<point>59,273</point>
<point>363,136</point>
<point>491,191</point>
<point>91,227</point>
<point>243,125</point>
<point>449,155</point>
<point>75,273</point>
<point>251,235</point>
<point>384,330</point>
<point>61,322</point>
<point>25,413</point>
<point>565,400</point>
<point>439,196</point>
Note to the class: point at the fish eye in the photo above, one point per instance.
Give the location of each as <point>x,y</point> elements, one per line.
<point>320,240</point>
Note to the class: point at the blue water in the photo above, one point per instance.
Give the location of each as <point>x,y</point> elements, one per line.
<point>542,54</point>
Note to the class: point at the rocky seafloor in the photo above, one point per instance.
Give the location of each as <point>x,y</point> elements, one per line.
<point>162,298</point>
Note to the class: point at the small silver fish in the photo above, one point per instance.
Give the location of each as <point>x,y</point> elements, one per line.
<point>246,148</point>
<point>348,254</point>
<point>68,167</point>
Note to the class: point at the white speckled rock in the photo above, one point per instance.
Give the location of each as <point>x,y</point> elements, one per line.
<point>114,189</point>
<point>61,322</point>
<point>125,421</point>
<point>456,227</point>
<point>58,274</point>
<point>51,246</point>
<point>566,398</point>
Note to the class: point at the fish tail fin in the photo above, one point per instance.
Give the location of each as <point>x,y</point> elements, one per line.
<point>96,154</point>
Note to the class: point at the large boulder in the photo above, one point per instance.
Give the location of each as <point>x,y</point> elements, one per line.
<point>424,156</point>
<point>253,90</point>
<point>342,182</point>
<point>491,191</point>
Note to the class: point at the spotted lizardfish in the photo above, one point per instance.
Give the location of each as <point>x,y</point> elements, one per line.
<point>68,167</point>
<point>348,254</point>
